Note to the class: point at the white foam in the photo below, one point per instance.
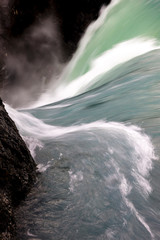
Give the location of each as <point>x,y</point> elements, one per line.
<point>143,184</point>
<point>139,217</point>
<point>57,106</point>
<point>142,148</point>
<point>48,96</point>
<point>92,28</point>
<point>142,151</point>
<point>42,168</point>
<point>125,187</point>
<point>32,144</point>
<point>119,54</point>
<point>75,178</point>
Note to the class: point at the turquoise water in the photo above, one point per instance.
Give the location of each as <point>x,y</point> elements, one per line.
<point>96,137</point>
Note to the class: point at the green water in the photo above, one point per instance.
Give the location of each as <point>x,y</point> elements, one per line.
<point>97,149</point>
<point>127,20</point>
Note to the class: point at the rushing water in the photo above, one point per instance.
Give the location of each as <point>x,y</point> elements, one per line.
<point>96,137</point>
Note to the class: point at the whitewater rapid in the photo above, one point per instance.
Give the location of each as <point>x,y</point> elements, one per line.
<point>95,136</point>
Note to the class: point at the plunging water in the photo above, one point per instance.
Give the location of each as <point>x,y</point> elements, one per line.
<point>96,137</point>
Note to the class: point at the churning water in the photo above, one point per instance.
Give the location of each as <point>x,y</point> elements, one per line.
<point>96,136</point>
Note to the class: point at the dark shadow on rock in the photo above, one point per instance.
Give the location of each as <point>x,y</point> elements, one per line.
<point>38,38</point>
<point>17,173</point>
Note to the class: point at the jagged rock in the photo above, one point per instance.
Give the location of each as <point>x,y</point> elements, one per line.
<point>17,173</point>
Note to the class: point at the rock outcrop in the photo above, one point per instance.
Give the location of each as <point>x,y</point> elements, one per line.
<point>17,173</point>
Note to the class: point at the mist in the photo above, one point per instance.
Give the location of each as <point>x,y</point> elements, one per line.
<point>31,61</point>
<point>36,41</point>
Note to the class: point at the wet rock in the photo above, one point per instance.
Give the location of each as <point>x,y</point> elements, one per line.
<point>17,173</point>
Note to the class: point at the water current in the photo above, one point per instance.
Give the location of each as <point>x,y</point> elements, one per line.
<point>96,136</point>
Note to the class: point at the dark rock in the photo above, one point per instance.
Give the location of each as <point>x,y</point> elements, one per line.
<point>17,173</point>
<point>38,38</point>
<point>32,49</point>
<point>72,16</point>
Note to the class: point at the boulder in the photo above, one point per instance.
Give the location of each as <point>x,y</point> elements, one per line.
<point>17,173</point>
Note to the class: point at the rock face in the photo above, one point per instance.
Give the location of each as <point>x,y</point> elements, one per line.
<point>17,173</point>
<point>36,39</point>
<point>72,16</point>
